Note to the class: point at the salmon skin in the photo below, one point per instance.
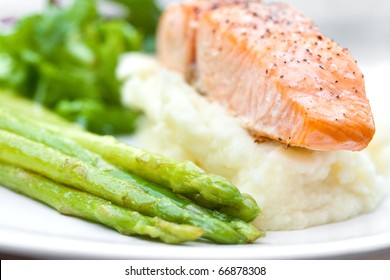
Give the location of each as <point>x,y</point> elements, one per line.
<point>270,66</point>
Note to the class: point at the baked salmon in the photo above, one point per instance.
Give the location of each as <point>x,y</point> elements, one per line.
<point>177,32</point>
<point>270,66</point>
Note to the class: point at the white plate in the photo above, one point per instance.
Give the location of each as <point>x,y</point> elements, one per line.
<point>31,229</point>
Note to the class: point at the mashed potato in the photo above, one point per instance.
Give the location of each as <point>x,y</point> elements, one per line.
<point>295,188</point>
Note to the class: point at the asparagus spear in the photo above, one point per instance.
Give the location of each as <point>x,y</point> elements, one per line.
<point>182,177</point>
<point>69,201</point>
<point>32,131</point>
<point>20,125</point>
<point>14,103</point>
<point>71,171</point>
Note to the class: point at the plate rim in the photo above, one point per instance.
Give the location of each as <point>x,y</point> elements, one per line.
<point>16,242</point>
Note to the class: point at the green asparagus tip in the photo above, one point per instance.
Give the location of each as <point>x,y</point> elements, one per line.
<point>178,233</point>
<point>217,189</point>
<point>251,232</point>
<point>246,209</point>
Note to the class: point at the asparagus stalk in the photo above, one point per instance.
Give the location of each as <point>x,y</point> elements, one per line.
<point>182,177</point>
<point>71,171</point>
<point>69,201</point>
<point>14,103</point>
<point>20,125</point>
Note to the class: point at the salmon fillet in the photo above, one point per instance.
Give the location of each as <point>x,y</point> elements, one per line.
<point>271,67</point>
<point>176,34</point>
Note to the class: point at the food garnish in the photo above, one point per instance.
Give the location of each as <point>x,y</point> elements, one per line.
<point>65,59</point>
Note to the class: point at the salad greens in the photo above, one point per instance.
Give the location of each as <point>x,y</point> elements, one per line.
<point>144,15</point>
<point>65,59</point>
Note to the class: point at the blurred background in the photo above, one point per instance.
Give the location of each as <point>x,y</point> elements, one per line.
<point>361,26</point>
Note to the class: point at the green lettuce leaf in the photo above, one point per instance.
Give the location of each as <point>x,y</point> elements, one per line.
<point>69,56</point>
